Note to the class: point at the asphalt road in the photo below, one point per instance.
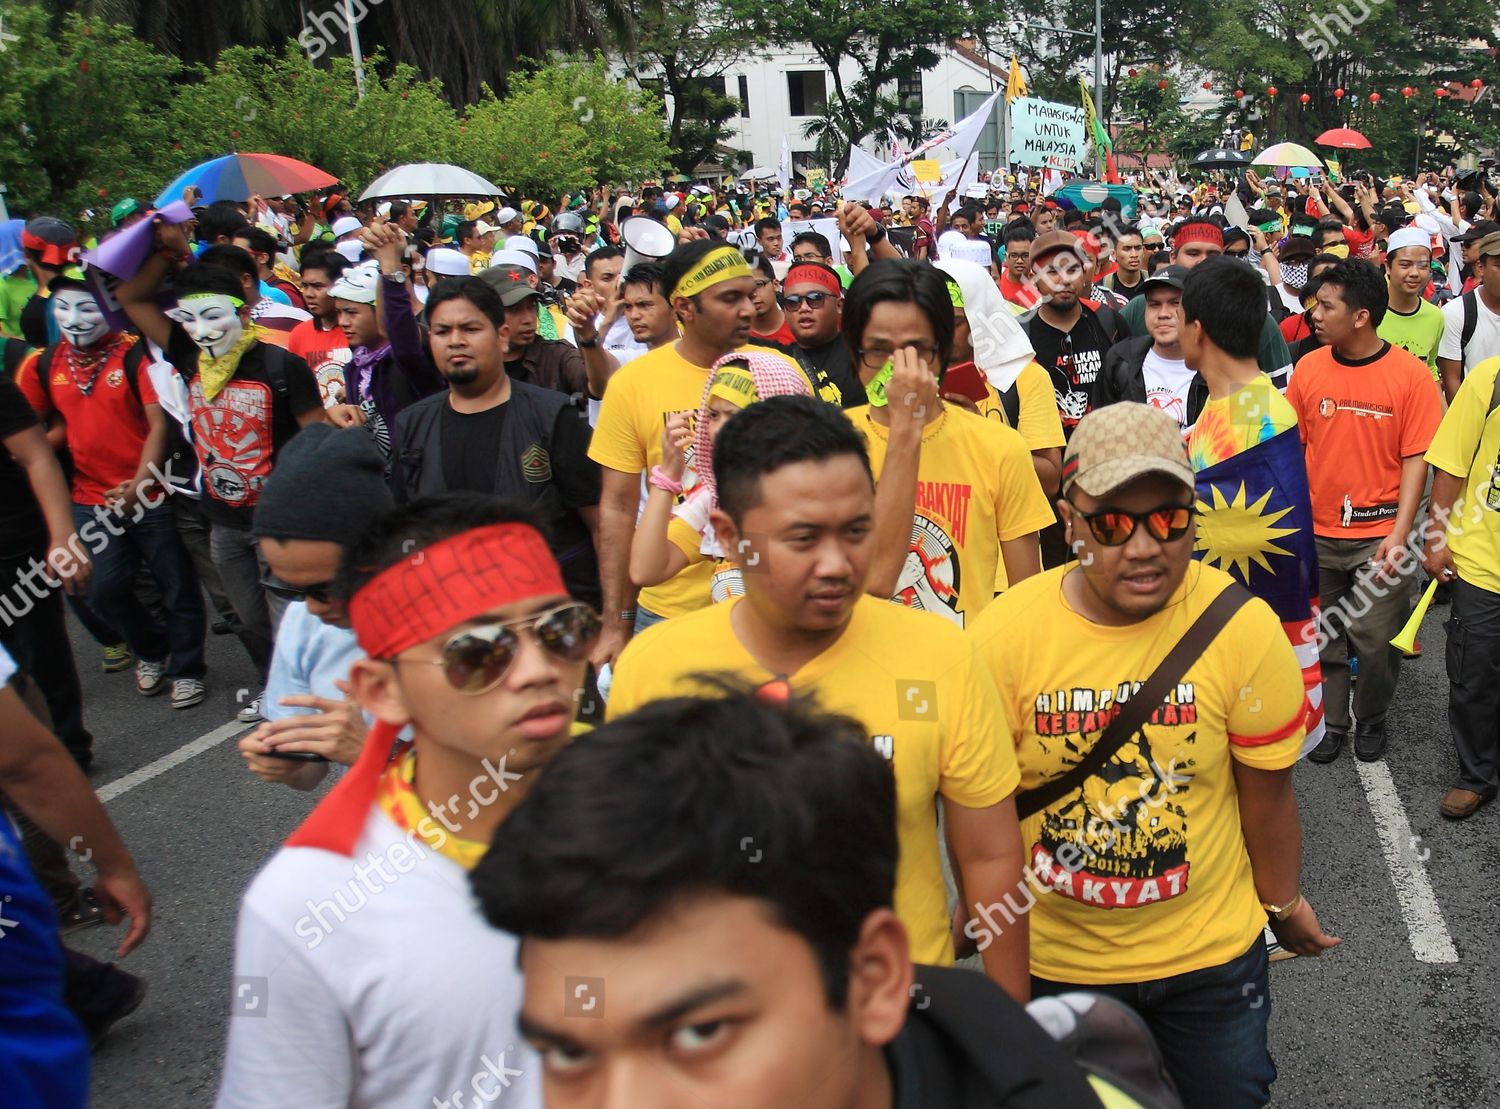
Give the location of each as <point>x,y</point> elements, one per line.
<point>1370,1024</point>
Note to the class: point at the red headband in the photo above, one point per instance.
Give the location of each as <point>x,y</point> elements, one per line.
<point>449,582</point>
<point>52,254</point>
<point>813,273</point>
<point>1198,232</point>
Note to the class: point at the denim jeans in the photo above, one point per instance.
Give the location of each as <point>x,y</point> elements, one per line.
<point>111,593</point>
<point>1210,1024</point>
<point>644,619</point>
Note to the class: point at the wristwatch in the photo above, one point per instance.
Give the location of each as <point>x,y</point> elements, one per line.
<point>587,344</point>
<point>399,277</point>
<point>875,236</point>
<point>1279,913</point>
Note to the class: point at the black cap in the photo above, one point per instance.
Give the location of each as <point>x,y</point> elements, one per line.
<point>1477,230</point>
<point>329,485</point>
<point>1171,278</point>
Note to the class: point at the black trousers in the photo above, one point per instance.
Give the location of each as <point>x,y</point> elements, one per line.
<point>37,640</point>
<point>1473,659</point>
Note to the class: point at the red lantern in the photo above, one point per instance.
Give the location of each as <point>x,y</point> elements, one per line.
<point>1440,93</point>
<point>1133,73</point>
<point>1338,94</point>
<point>1271,92</point>
<point>1162,83</point>
<point>1407,92</point>
<point>1374,98</point>
<point>1239,94</point>
<point>1305,98</point>
<point>1476,84</point>
<point>1208,85</point>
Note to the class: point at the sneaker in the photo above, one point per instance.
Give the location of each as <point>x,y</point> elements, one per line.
<point>187,692</point>
<point>1328,747</point>
<point>82,912</point>
<point>1274,951</point>
<point>148,678</point>
<point>117,658</point>
<point>250,714</point>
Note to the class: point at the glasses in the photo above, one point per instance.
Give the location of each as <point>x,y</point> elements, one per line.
<point>814,299</point>
<point>1237,253</point>
<point>876,357</point>
<point>1113,527</point>
<point>476,660</point>
<point>322,592</point>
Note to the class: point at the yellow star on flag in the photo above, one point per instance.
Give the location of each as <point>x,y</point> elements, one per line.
<point>1233,533</point>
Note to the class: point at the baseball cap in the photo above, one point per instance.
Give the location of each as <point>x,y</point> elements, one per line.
<point>123,210</point>
<point>1121,442</point>
<point>484,227</point>
<point>1489,246</point>
<point>1477,230</point>
<point>1051,243</point>
<point>512,283</point>
<point>1171,277</point>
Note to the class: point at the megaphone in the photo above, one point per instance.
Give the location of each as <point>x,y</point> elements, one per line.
<point>645,241</point>
<point>1406,638</point>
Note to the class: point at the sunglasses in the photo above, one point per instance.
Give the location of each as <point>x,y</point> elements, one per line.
<point>322,592</point>
<point>476,660</point>
<point>814,299</point>
<point>1113,527</point>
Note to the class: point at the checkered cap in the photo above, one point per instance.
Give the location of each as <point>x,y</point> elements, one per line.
<point>1121,442</point>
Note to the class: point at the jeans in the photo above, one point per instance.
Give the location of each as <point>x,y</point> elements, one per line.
<point>644,619</point>
<point>1210,1024</point>
<point>153,539</point>
<point>1473,659</point>
<point>37,640</point>
<point>241,569</point>
<point>1361,612</point>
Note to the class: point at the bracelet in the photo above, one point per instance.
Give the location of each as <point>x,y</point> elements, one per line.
<point>627,616</point>
<point>660,479</point>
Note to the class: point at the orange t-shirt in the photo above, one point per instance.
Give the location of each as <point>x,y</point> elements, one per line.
<point>1358,421</point>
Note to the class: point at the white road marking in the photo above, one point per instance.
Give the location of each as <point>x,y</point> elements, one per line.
<point>1428,932</point>
<point>171,759</point>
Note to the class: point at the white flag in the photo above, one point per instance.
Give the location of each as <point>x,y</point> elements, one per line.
<point>784,167</point>
<point>960,139</point>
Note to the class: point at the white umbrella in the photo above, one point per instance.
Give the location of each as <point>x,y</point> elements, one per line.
<point>429,179</point>
<point>759,173</point>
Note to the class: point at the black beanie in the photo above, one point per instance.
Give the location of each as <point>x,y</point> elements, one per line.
<point>328,484</point>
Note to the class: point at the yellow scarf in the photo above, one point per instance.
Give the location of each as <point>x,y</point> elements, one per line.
<point>214,373</point>
<point>398,800</point>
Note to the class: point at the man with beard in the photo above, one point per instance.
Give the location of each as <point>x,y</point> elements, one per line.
<point>493,434</point>
<point>813,296</point>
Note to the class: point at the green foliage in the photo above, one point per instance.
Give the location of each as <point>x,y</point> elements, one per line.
<point>564,127</point>
<point>1158,124</point>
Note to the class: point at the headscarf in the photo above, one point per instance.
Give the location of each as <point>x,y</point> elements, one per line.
<point>770,375</point>
<point>11,255</point>
<point>1001,348</point>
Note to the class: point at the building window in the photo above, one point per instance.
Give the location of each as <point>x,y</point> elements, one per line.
<point>695,94</point>
<point>807,92</point>
<point>909,92</point>
<point>744,96</point>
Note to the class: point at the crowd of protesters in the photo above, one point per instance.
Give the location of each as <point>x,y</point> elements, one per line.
<point>745,605</point>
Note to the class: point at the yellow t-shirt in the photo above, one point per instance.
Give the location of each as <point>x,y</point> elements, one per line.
<point>1467,445</point>
<point>975,487</point>
<point>1232,425</point>
<point>1142,872</point>
<point>1037,420</point>
<point>915,684</point>
<point>641,395</point>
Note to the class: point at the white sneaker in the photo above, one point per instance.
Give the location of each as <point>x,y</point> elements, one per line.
<point>148,678</point>
<point>187,692</point>
<point>250,714</point>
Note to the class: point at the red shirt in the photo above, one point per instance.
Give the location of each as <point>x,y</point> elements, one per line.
<point>107,428</point>
<point>782,334</point>
<point>327,352</point>
<point>1024,295</point>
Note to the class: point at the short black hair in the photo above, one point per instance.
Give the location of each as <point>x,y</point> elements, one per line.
<point>970,213</point>
<point>762,265</point>
<point>205,277</point>
<point>683,260</point>
<point>602,254</point>
<point>1158,258</point>
<point>221,220</point>
<point>1019,231</point>
<point>783,804</point>
<point>464,231</point>
<point>768,224</point>
<point>417,525</point>
<point>234,258</point>
<point>330,262</point>
<point>1229,299</point>
<point>1117,230</point>
<point>812,238</point>
<point>780,431</point>
<point>261,242</point>
<point>1361,284</point>
<point>905,281</point>
<point>644,273</point>
<point>477,291</point>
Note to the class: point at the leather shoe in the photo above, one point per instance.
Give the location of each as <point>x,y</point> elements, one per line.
<point>1459,803</point>
<point>1328,747</point>
<point>1369,742</point>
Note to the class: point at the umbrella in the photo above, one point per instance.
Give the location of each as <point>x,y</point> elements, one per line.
<point>1288,154</point>
<point>759,173</point>
<point>1088,195</point>
<point>1345,138</point>
<point>241,176</point>
<point>429,179</point>
<point>1221,158</point>
<point>679,179</point>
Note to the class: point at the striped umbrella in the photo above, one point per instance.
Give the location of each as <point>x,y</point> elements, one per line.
<point>241,176</point>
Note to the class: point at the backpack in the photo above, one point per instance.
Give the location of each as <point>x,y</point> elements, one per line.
<point>1113,1047</point>
<point>1471,322</point>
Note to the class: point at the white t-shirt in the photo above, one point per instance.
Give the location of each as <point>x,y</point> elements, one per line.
<point>1167,383</point>
<point>372,980</point>
<point>1485,342</point>
<point>1293,304</point>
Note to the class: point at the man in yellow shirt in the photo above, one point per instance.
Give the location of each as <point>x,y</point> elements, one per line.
<point>709,286</point>
<point>796,514</point>
<point>1152,879</point>
<point>1463,552</point>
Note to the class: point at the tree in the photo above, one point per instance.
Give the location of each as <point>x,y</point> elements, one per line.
<point>565,127</point>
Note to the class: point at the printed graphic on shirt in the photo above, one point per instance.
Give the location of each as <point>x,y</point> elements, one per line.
<point>1169,402</point>
<point>929,579</point>
<point>1329,407</point>
<point>1079,369</point>
<point>233,436</point>
<point>328,367</point>
<point>727,582</point>
<point>1120,840</point>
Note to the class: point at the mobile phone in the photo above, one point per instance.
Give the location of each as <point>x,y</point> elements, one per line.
<point>967,380</point>
<point>297,756</point>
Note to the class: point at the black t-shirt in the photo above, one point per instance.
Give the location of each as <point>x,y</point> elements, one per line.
<point>23,528</point>
<point>34,320</point>
<point>238,433</point>
<point>471,448</point>
<point>833,359</point>
<point>1073,358</point>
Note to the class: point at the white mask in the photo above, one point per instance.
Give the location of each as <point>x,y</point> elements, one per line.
<point>79,317</point>
<point>211,320</point>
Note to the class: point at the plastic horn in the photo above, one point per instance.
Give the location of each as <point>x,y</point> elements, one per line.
<point>1406,638</point>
